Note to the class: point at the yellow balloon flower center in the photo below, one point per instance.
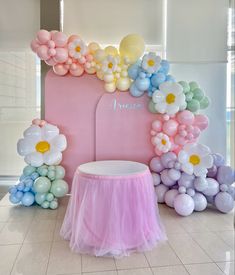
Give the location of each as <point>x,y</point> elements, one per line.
<point>163,142</point>
<point>151,62</point>
<point>194,159</point>
<point>110,65</point>
<point>42,147</point>
<point>78,49</point>
<point>170,98</point>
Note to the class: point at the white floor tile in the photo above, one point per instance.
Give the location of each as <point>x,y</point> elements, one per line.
<point>204,269</point>
<point>32,259</point>
<point>62,260</point>
<point>140,271</point>
<point>136,260</point>
<point>45,214</point>
<point>101,273</point>
<point>8,254</point>
<point>170,270</point>
<point>227,267</point>
<point>227,237</point>
<point>91,264</point>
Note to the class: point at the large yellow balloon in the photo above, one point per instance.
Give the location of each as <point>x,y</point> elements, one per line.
<point>132,47</point>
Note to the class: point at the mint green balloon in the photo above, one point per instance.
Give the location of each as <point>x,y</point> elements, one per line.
<point>49,197</point>
<point>28,170</point>
<point>51,174</point>
<point>189,96</point>
<point>59,188</point>
<point>151,107</point>
<point>59,172</point>
<point>193,85</point>
<point>42,185</point>
<point>45,204</point>
<point>205,102</point>
<point>51,167</point>
<point>42,170</point>
<point>185,86</point>
<point>198,94</point>
<point>193,105</point>
<point>40,198</point>
<point>54,204</point>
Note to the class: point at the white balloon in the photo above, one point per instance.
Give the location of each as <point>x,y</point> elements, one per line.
<point>25,146</point>
<point>33,131</point>
<point>59,143</point>
<point>52,157</point>
<point>34,159</point>
<point>49,131</point>
<point>200,202</point>
<point>184,205</point>
<point>170,197</point>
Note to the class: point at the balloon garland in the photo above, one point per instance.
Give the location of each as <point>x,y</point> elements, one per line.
<point>187,175</point>
<point>42,179</point>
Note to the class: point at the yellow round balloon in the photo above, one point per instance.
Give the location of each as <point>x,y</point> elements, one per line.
<point>132,47</point>
<point>110,50</point>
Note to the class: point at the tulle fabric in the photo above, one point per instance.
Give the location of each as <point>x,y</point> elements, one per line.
<point>112,216</point>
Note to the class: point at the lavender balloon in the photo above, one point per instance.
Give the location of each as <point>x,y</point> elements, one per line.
<point>184,205</point>
<point>213,187</point>
<point>167,157</point>
<point>200,184</point>
<point>156,165</point>
<point>166,179</point>
<point>156,179</point>
<point>161,190</point>
<point>170,197</point>
<point>225,175</point>
<point>224,202</point>
<point>218,159</point>
<point>212,172</point>
<point>186,180</point>
<point>174,174</point>
<point>200,202</point>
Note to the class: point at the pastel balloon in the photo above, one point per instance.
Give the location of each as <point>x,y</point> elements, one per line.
<point>156,165</point>
<point>93,47</point>
<point>186,180</point>
<point>34,45</point>
<point>59,69</point>
<point>50,62</point>
<point>184,204</point>
<point>133,71</point>
<point>110,50</point>
<point>27,199</point>
<point>213,187</point>
<point>134,91</point>
<point>53,204</point>
<point>218,159</point>
<point>157,79</point>
<point>61,55</point>
<point>170,127</point>
<point>224,202</point>
<point>190,192</point>
<point>193,105</point>
<point>151,107</point>
<point>42,185</point>
<point>59,38</point>
<point>166,179</point>
<point>91,70</point>
<point>200,184</point>
<point>42,52</point>
<point>43,36</point>
<point>205,102</point>
<point>73,37</point>
<point>156,179</point>
<point>170,197</point>
<point>185,117</point>
<point>28,170</point>
<point>59,188</point>
<point>167,157</point>
<point>110,87</point>
<point>201,121</point>
<point>132,47</point>
<point>59,172</point>
<point>161,190</point>
<point>77,71</point>
<point>157,125</point>
<point>200,202</point>
<point>174,174</point>
<point>50,197</point>
<point>142,84</point>
<point>45,204</point>
<point>40,198</point>
<point>212,172</point>
<point>13,199</point>
<point>123,83</point>
<point>225,175</point>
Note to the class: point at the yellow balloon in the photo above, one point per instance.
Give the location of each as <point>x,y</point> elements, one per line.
<point>110,50</point>
<point>93,47</point>
<point>108,78</point>
<point>123,83</point>
<point>100,75</point>
<point>90,70</point>
<point>132,47</point>
<point>110,87</point>
<point>99,55</point>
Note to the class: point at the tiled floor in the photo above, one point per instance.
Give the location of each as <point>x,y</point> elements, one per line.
<point>201,244</point>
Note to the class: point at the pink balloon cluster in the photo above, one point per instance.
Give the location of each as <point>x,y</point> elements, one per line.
<point>52,47</point>
<point>176,131</point>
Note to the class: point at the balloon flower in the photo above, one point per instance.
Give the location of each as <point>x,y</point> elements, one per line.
<point>193,179</point>
<point>195,97</point>
<point>42,180</point>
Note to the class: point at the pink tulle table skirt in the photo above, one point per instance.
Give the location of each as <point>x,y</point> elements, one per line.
<point>112,210</point>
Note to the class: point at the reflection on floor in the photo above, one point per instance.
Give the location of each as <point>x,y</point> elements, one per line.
<point>201,244</point>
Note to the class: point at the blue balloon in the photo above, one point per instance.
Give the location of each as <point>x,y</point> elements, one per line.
<point>34,176</point>
<point>170,78</point>
<point>134,91</point>
<point>28,182</point>
<point>13,199</point>
<point>12,190</point>
<point>133,71</point>
<point>28,199</point>
<point>142,84</point>
<point>157,79</point>
<point>26,189</point>
<point>22,177</point>
<point>20,186</point>
<point>165,67</point>
<point>19,195</point>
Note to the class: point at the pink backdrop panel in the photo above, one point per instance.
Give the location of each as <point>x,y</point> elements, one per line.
<point>123,125</point>
<point>70,103</point>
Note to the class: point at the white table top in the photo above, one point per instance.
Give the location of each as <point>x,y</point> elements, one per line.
<point>112,168</point>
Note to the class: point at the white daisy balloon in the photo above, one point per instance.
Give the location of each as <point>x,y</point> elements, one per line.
<point>110,64</point>
<point>77,48</point>
<point>42,145</point>
<point>195,159</point>
<point>169,99</point>
<point>151,63</point>
<point>162,142</point>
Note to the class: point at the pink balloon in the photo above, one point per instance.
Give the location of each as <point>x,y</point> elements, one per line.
<point>42,52</point>
<point>180,140</point>
<point>59,38</point>
<point>34,45</point>
<point>51,44</point>
<point>61,55</point>
<point>157,126</point>
<point>170,127</point>
<point>59,69</point>
<point>43,36</point>
<point>52,52</point>
<point>78,71</point>
<point>73,37</point>
<point>201,122</point>
<point>50,62</point>
<point>185,117</point>
<point>36,121</point>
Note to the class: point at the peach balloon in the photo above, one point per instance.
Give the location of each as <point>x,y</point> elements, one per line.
<point>91,70</point>
<point>42,52</point>
<point>73,37</point>
<point>50,62</point>
<point>59,69</point>
<point>34,45</point>
<point>60,39</point>
<point>61,55</point>
<point>78,71</point>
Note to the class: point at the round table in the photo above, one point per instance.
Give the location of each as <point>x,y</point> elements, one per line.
<point>112,210</point>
